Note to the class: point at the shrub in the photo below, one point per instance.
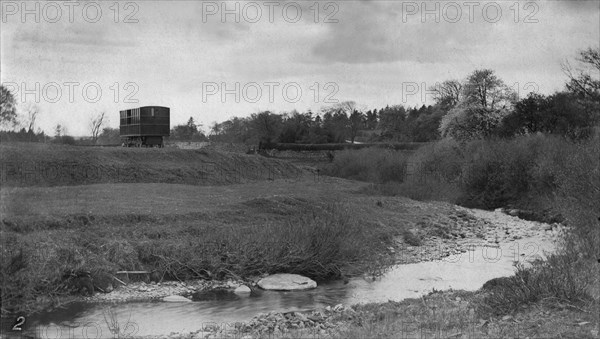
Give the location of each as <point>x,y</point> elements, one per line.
<point>370,164</point>
<point>65,140</point>
<point>498,172</point>
<point>569,274</point>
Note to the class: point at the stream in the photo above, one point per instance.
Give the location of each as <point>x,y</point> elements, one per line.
<point>466,271</point>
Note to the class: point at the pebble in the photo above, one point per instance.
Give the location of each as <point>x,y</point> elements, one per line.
<point>243,289</point>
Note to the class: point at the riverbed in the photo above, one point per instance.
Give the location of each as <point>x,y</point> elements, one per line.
<point>464,271</point>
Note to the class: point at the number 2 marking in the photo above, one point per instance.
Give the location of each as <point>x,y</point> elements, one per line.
<point>20,322</point>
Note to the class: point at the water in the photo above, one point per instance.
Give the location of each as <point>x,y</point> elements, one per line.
<point>468,271</point>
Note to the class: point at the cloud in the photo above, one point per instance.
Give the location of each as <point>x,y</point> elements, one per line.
<point>578,5</point>
<point>75,35</point>
<point>368,33</point>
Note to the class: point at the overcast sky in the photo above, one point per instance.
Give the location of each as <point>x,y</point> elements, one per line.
<point>186,55</point>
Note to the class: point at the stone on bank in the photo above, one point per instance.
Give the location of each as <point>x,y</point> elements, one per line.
<point>286,282</point>
<point>243,289</point>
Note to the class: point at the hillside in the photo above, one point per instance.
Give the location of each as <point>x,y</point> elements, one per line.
<point>36,164</point>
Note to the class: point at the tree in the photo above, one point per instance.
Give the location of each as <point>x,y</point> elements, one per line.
<point>295,127</point>
<point>448,93</point>
<point>392,122</point>
<point>424,126</point>
<point>585,80</point>
<point>371,119</point>
<point>485,101</point>
<point>529,116</point>
<point>8,111</point>
<point>467,122</point>
<point>191,125</point>
<point>572,113</point>
<point>346,106</point>
<point>356,121</point>
<point>190,131</point>
<point>96,125</point>
<point>32,112</point>
<point>215,129</point>
<point>335,123</point>
<point>487,91</point>
<point>109,136</point>
<point>266,126</point>
<point>569,117</point>
<point>233,130</point>
<point>58,130</point>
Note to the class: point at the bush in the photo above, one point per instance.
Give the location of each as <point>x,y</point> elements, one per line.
<point>65,140</point>
<point>569,274</point>
<point>522,172</point>
<point>370,164</point>
<point>499,172</point>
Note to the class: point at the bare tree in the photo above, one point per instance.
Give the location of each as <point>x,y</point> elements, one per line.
<point>32,112</point>
<point>448,93</point>
<point>347,107</point>
<point>484,89</point>
<point>584,80</point>
<point>96,125</point>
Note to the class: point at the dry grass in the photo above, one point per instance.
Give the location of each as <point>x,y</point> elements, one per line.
<point>453,314</point>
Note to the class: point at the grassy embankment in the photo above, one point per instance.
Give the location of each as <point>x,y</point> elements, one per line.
<point>553,177</point>
<point>105,210</point>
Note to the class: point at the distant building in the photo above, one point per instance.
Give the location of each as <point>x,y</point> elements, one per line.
<point>145,126</point>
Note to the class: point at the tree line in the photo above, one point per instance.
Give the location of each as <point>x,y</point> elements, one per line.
<point>480,106</point>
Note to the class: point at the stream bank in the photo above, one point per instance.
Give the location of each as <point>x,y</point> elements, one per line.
<point>466,264</point>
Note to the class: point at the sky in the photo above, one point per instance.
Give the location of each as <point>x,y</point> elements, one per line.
<point>213,60</point>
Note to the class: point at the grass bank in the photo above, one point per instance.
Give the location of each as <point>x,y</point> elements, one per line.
<point>183,233</point>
